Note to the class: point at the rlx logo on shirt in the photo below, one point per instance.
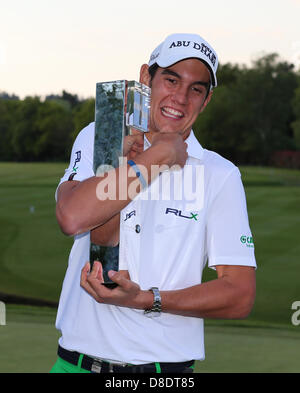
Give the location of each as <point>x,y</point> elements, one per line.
<point>78,158</point>
<point>178,213</point>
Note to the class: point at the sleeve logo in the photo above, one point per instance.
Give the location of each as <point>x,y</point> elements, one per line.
<point>77,159</point>
<point>247,240</point>
<point>74,169</point>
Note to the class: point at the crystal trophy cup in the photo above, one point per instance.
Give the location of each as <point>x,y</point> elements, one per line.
<point>120,107</point>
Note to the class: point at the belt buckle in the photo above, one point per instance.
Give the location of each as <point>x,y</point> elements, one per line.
<point>96,367</point>
<point>98,363</point>
<point>112,365</point>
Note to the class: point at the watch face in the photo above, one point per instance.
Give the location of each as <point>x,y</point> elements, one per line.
<point>156,307</point>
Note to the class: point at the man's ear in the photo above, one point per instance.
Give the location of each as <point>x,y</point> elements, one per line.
<point>206,101</point>
<point>144,75</point>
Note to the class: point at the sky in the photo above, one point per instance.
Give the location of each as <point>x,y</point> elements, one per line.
<point>47,46</point>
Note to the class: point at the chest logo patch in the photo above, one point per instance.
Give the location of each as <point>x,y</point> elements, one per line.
<point>178,213</point>
<point>129,215</point>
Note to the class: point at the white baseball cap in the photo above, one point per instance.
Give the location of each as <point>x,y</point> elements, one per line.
<point>177,47</point>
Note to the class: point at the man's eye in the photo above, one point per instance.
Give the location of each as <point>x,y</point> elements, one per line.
<point>198,91</point>
<point>171,81</point>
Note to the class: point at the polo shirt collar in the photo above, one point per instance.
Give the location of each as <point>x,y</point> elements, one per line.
<point>194,148</point>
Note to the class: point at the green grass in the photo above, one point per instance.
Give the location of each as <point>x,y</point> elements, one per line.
<point>33,251</point>
<point>34,254</point>
<point>28,341</point>
<point>251,349</point>
<point>273,200</point>
<point>28,344</point>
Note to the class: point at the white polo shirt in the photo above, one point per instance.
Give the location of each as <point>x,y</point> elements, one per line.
<point>168,233</point>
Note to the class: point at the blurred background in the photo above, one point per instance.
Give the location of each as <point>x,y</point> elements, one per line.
<point>52,54</point>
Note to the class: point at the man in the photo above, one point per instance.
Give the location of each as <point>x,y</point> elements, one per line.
<point>164,242</point>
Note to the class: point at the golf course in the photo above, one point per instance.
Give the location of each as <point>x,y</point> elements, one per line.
<point>34,256</point>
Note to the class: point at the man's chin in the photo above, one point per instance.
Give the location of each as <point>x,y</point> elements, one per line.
<point>168,129</point>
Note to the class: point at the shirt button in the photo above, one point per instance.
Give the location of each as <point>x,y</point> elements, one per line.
<point>138,228</point>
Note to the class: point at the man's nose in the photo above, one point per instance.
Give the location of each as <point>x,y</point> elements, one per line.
<point>180,95</point>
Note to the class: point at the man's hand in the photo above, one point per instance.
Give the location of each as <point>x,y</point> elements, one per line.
<point>172,146</point>
<point>133,144</point>
<point>79,208</point>
<point>126,294</point>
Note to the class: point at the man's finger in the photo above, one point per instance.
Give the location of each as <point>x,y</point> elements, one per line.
<point>84,273</point>
<point>130,140</point>
<point>120,279</point>
<point>97,271</point>
<point>125,273</point>
<point>84,282</point>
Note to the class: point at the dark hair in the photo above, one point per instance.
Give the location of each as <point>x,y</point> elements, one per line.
<point>152,70</point>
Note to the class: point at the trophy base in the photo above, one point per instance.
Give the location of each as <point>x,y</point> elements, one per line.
<point>110,285</point>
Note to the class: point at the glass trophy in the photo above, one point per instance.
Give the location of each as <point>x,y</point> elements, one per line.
<point>120,107</point>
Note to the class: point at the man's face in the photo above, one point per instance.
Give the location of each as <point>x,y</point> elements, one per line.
<point>178,95</point>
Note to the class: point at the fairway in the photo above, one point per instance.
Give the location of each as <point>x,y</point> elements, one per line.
<point>28,341</point>
<point>34,254</point>
<point>28,345</point>
<point>246,349</point>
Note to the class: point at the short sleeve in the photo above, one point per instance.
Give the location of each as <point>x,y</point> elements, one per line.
<point>229,238</point>
<point>81,160</point>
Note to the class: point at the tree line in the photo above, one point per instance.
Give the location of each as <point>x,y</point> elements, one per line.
<point>33,129</point>
<point>252,119</point>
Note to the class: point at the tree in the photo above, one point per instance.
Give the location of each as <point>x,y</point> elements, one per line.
<point>254,112</point>
<point>54,124</point>
<point>249,116</point>
<point>83,115</point>
<point>8,108</point>
<point>25,131</point>
<point>42,131</point>
<point>296,110</point>
<point>71,100</point>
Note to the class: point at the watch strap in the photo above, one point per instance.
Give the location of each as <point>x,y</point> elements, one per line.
<point>156,307</point>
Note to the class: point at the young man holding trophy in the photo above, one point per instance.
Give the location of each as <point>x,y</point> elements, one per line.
<point>151,319</point>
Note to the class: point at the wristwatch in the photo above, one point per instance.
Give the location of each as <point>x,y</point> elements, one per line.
<point>156,307</point>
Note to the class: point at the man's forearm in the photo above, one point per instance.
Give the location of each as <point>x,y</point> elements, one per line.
<point>228,297</point>
<point>79,209</point>
<point>94,201</point>
<point>214,299</point>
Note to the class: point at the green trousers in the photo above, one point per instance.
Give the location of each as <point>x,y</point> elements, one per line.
<point>61,366</point>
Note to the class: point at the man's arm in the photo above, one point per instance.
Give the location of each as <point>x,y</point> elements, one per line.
<point>230,296</point>
<point>107,234</point>
<point>79,207</point>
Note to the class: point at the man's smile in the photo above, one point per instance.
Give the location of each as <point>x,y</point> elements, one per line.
<point>172,113</point>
